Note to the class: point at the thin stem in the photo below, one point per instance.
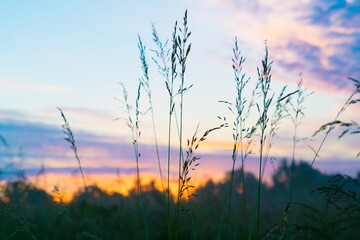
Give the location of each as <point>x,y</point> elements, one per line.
<point>237,110</point>
<point>180,154</point>
<point>140,200</point>
<point>168,172</point>
<point>71,139</point>
<point>243,177</point>
<point>157,152</point>
<point>293,159</point>
<point>145,80</point>
<point>187,189</point>
<point>184,49</point>
<point>192,216</point>
<point>259,186</point>
<point>133,124</point>
<point>226,203</point>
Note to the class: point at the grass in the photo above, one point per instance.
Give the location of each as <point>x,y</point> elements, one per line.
<point>133,122</point>
<point>117,215</point>
<point>329,127</point>
<point>70,139</point>
<point>145,80</point>
<point>183,47</point>
<point>240,111</point>
<point>266,124</point>
<point>297,114</point>
<point>166,65</point>
<point>254,123</point>
<point>271,111</point>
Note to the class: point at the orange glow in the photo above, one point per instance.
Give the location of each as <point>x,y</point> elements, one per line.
<point>63,188</point>
<point>226,145</point>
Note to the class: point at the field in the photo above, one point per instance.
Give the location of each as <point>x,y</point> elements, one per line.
<point>296,201</point>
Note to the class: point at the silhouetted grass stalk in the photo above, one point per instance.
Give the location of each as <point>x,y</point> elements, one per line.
<point>70,139</point>
<point>146,85</point>
<point>135,131</point>
<point>186,188</point>
<point>240,123</point>
<point>296,117</point>
<point>183,52</point>
<point>162,60</point>
<point>266,139</point>
<point>190,164</point>
<point>240,110</point>
<point>264,80</point>
<point>280,112</point>
<point>239,106</point>
<point>245,152</point>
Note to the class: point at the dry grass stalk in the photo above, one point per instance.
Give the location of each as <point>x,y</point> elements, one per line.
<point>240,110</point>
<point>268,124</point>
<point>70,139</point>
<point>296,114</point>
<point>146,85</point>
<point>183,48</point>
<point>133,123</point>
<point>162,60</point>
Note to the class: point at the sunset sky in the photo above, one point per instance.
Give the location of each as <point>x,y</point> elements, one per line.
<point>73,54</point>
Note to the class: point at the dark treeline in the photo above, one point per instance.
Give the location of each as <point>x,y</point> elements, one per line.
<point>328,208</point>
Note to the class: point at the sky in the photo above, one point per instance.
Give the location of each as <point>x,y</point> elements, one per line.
<point>74,54</point>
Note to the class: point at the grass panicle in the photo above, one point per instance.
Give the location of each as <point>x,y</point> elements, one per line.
<point>133,122</point>
<point>183,50</point>
<point>70,139</point>
<point>191,161</point>
<point>268,124</point>
<point>296,114</point>
<point>264,82</point>
<point>167,65</point>
<point>145,80</point>
<point>189,164</point>
<point>240,110</point>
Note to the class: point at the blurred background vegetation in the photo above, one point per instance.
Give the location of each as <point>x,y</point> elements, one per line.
<point>329,208</point>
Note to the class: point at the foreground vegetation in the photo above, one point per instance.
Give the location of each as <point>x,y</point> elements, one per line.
<point>329,209</point>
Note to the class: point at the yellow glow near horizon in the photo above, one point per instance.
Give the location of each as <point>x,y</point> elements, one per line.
<point>69,186</point>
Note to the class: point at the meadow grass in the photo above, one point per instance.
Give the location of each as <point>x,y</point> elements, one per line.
<point>166,65</point>
<point>328,128</point>
<point>270,109</point>
<point>71,139</point>
<point>184,48</point>
<point>133,122</point>
<point>145,80</point>
<point>296,113</point>
<point>240,110</point>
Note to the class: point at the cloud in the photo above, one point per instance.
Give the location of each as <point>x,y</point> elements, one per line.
<point>334,13</point>
<point>318,38</point>
<point>9,85</point>
<point>84,111</point>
